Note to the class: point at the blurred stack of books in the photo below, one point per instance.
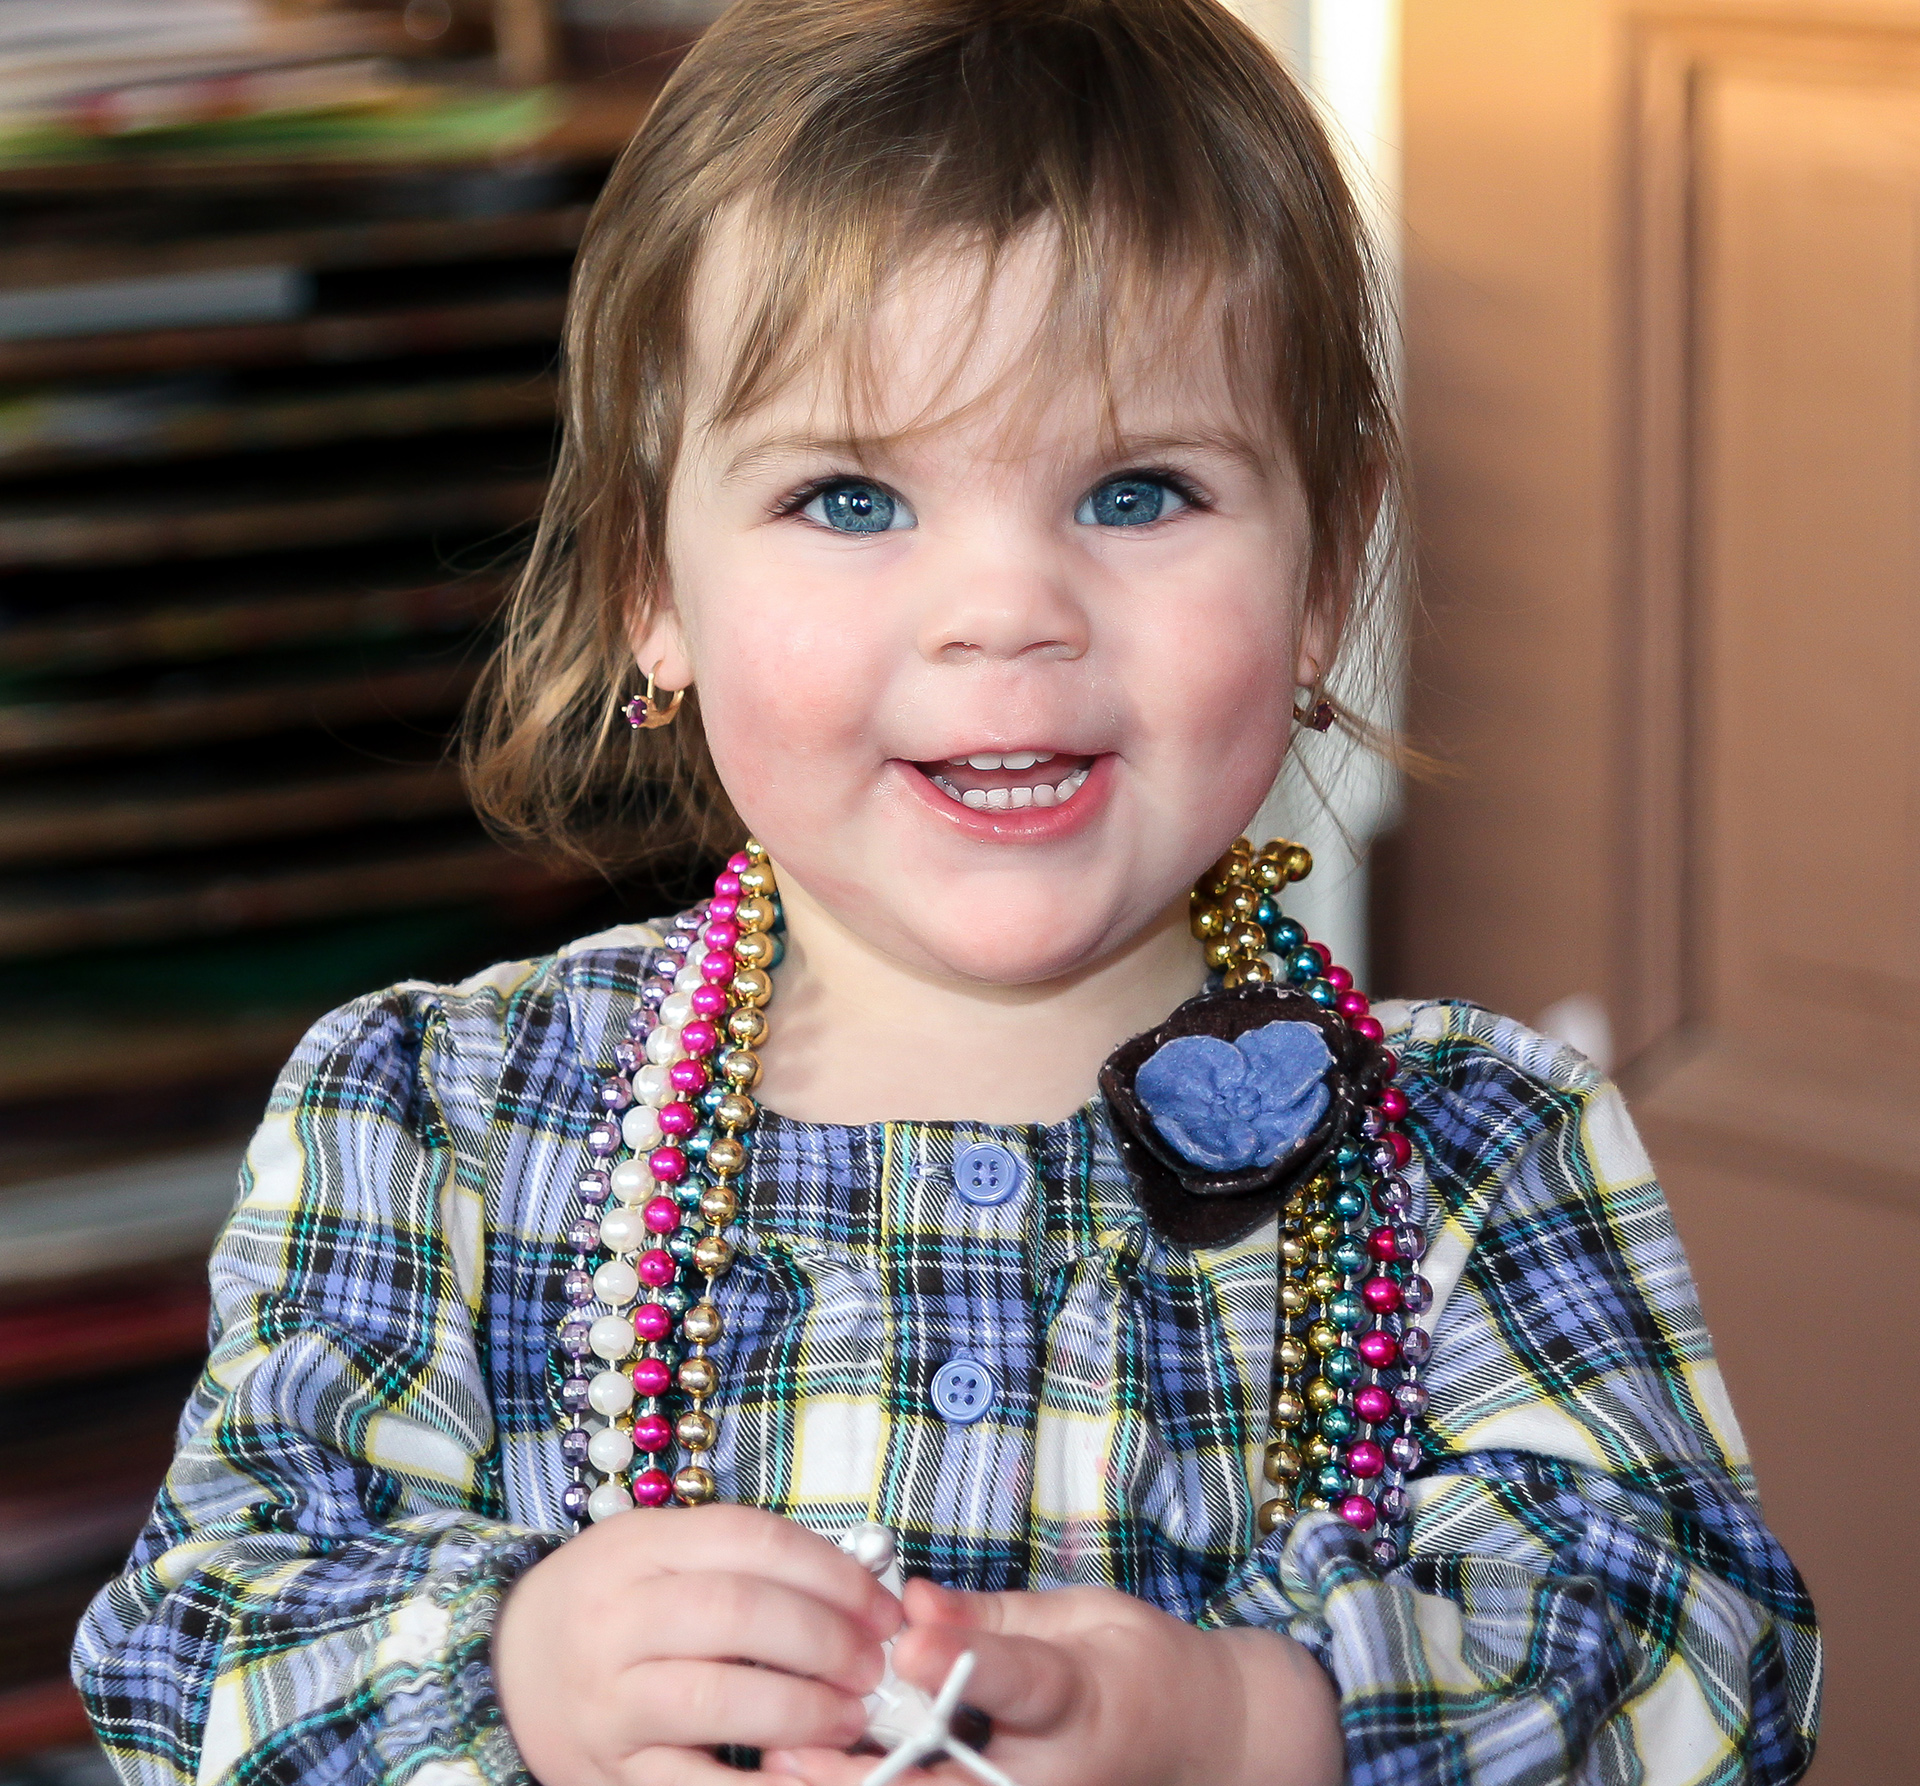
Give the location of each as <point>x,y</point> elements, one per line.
<point>90,79</point>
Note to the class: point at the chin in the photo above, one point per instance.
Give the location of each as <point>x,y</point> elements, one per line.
<point>1006,961</point>
<point>1005,934</point>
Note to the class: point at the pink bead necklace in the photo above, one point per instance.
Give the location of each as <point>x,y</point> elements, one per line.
<point>661,1187</point>
<point>1348,1350</point>
<point>656,1199</point>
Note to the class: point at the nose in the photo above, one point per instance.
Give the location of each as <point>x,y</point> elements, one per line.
<point>1003,608</point>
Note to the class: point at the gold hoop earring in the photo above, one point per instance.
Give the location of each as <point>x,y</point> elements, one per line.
<point>648,713</point>
<point>1319,717</point>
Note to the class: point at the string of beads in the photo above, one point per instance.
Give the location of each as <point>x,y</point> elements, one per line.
<point>676,1125</point>
<point>1348,1350</point>
<point>656,1199</point>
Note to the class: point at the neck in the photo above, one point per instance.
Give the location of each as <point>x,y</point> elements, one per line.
<point>858,1037</point>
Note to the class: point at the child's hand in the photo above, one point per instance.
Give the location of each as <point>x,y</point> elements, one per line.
<point>1089,1687</point>
<point>624,1654</point>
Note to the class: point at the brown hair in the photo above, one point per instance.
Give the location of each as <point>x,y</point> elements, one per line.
<point>1159,140</point>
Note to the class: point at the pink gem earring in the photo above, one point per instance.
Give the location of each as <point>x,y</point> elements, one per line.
<point>1319,717</point>
<point>648,713</point>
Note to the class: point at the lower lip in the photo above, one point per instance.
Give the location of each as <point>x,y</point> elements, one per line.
<point>1024,824</point>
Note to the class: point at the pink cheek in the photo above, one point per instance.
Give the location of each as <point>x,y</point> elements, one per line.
<point>1235,717</point>
<point>793,727</point>
<point>1233,656</point>
<point>748,731</point>
<point>780,758</point>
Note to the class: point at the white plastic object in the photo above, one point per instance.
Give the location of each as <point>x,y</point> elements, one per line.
<point>901,1718</point>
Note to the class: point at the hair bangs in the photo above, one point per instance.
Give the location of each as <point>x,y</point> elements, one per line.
<point>956,155</point>
<point>822,322</point>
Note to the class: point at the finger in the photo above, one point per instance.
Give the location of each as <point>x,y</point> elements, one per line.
<point>1053,1616</point>
<point>745,1540</point>
<point>746,1617</point>
<point>928,1603</point>
<point>682,1703</point>
<point>831,1767</point>
<point>659,1765</point>
<point>1021,1683</point>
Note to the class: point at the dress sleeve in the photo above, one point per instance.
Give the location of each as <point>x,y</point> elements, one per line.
<point>1590,1593</point>
<point>313,1597</point>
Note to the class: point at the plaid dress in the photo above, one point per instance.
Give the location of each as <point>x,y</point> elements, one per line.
<point>372,1456</point>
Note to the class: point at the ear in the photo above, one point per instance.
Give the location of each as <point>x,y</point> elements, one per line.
<point>659,641</point>
<point>1320,629</point>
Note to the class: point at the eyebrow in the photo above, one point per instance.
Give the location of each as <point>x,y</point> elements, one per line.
<point>876,450</point>
<point>757,455</point>
<point>1233,446</point>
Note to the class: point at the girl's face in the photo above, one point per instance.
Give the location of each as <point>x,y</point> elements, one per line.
<point>996,693</point>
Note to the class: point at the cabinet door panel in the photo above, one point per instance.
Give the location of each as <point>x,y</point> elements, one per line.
<point>1663,313</point>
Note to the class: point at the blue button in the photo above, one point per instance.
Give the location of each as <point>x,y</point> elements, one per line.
<point>963,1391</point>
<point>987,1174</point>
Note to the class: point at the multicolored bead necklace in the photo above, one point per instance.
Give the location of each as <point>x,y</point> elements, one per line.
<point>1349,1287</point>
<point>657,1198</point>
<point>668,1150</point>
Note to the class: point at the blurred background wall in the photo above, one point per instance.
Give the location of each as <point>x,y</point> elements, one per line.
<point>1333,792</point>
<point>280,286</point>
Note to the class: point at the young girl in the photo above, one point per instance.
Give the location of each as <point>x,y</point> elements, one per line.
<point>975,408</point>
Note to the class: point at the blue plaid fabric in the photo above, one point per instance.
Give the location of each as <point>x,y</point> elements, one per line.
<point>371,1457</point>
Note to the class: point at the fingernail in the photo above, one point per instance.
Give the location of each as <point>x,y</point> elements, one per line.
<point>946,1601</point>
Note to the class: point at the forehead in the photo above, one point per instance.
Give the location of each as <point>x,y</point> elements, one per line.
<point>960,339</point>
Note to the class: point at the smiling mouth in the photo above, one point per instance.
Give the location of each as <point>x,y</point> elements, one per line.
<point>1008,781</point>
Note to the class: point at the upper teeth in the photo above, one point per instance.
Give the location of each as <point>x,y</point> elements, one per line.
<point>1015,759</point>
<point>1046,793</point>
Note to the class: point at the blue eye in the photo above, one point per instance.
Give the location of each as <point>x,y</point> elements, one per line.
<point>856,507</point>
<point>1131,501</point>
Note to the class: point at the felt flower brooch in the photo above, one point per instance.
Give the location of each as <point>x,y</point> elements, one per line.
<point>1228,1105</point>
<point>1225,1106</point>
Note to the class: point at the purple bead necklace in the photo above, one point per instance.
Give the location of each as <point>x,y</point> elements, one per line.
<point>659,1192</point>
<point>1348,1348</point>
<point>661,1187</point>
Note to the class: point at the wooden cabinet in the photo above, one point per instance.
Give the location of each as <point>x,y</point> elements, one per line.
<point>270,435</point>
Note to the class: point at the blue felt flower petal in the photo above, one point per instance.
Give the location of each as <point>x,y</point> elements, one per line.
<point>1290,1058</point>
<point>1227,1106</point>
<point>1190,1066</point>
<point>1187,1087</point>
<point>1290,1063</point>
<point>1277,1133</point>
